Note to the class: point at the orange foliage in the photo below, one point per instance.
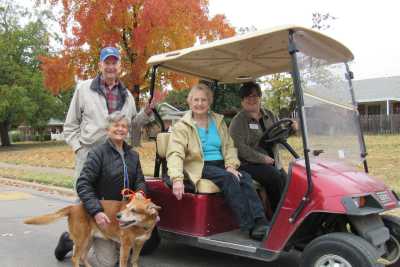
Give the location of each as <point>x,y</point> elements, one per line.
<point>140,28</point>
<point>58,73</point>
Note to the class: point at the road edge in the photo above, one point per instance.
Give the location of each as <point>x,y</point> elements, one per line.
<point>39,187</point>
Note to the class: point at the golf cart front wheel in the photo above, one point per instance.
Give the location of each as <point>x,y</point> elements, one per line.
<point>339,249</point>
<point>393,245</point>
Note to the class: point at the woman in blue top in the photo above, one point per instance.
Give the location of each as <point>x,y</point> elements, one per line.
<point>200,145</point>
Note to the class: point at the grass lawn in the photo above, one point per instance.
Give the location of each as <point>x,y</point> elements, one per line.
<point>383,159</point>
<point>38,177</point>
<point>59,155</point>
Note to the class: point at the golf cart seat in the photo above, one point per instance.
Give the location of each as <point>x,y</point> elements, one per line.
<point>204,186</point>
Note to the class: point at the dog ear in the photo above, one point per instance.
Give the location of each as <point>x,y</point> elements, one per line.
<point>153,209</point>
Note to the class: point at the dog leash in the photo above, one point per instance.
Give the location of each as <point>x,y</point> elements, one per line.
<point>126,175</point>
<point>127,193</point>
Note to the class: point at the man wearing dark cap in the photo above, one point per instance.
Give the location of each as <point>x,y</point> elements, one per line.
<point>85,124</point>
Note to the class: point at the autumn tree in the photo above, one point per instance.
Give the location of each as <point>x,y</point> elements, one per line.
<point>139,28</point>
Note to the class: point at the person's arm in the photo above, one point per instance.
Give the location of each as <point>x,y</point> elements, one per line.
<point>140,184</point>
<point>85,185</point>
<point>72,129</point>
<point>238,132</point>
<point>178,141</point>
<point>143,117</point>
<point>231,155</point>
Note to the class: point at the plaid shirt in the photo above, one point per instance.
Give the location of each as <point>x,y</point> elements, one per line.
<point>112,95</point>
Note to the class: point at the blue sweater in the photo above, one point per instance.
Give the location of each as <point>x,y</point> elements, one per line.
<point>210,142</point>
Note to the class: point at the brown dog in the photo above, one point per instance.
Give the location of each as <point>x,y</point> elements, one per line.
<point>131,225</point>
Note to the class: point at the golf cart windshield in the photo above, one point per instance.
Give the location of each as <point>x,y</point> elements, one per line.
<point>330,114</point>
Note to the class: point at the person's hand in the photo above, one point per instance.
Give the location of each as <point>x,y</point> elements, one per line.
<point>178,188</point>
<point>148,109</point>
<point>235,173</point>
<point>102,219</point>
<point>268,160</point>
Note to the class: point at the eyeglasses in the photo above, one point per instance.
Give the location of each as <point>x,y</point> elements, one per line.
<point>252,96</point>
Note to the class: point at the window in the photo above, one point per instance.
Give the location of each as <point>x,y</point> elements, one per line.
<point>374,110</point>
<point>396,108</point>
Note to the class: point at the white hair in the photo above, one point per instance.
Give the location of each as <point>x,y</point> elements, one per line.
<point>116,116</point>
<point>204,88</point>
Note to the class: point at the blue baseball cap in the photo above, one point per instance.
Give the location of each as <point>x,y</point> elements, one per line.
<point>108,52</point>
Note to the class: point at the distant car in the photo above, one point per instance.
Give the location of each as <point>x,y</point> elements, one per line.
<point>330,211</point>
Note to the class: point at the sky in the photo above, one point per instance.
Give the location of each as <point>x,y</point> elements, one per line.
<point>370,29</point>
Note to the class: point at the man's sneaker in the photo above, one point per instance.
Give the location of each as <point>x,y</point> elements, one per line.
<point>64,246</point>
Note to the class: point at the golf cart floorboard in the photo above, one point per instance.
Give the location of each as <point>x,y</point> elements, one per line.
<point>234,238</point>
<point>233,242</point>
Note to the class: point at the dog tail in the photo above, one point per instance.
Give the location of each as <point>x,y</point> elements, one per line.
<point>49,218</point>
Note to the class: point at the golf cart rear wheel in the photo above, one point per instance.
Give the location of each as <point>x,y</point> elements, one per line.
<point>152,243</point>
<point>339,249</point>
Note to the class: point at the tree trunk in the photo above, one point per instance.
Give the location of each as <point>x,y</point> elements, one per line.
<point>5,139</point>
<point>136,93</point>
<point>136,130</point>
<point>136,134</point>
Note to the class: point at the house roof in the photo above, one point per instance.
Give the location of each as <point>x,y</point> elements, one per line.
<point>55,122</point>
<point>164,106</point>
<point>377,89</point>
<point>169,112</point>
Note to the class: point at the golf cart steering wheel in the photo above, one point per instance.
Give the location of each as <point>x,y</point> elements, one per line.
<point>279,131</point>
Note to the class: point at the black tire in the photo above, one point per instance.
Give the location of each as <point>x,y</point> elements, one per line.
<point>340,247</point>
<point>393,224</point>
<point>152,244</point>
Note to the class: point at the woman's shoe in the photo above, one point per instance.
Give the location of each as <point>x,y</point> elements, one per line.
<point>259,231</point>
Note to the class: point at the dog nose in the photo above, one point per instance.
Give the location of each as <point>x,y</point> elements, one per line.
<point>119,215</point>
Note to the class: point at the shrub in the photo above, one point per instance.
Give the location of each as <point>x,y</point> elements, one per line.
<point>15,137</point>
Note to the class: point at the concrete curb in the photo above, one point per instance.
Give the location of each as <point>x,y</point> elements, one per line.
<point>40,187</point>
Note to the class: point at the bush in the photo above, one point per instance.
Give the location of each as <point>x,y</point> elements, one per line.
<point>46,137</point>
<point>15,136</point>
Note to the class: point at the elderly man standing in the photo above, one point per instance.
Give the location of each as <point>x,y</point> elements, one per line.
<point>85,124</point>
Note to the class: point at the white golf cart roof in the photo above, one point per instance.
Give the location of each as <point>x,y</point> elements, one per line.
<point>249,56</point>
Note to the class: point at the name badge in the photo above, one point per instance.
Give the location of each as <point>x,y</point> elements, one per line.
<point>253,126</point>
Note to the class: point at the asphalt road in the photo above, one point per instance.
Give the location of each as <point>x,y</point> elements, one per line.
<point>32,246</point>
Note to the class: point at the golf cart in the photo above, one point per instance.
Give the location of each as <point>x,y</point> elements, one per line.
<point>330,209</point>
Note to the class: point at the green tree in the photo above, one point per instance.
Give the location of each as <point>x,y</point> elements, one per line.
<point>23,97</point>
<point>280,96</point>
<point>227,100</point>
<point>177,98</point>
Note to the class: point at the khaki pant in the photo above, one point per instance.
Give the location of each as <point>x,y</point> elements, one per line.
<point>80,158</point>
<point>104,253</point>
